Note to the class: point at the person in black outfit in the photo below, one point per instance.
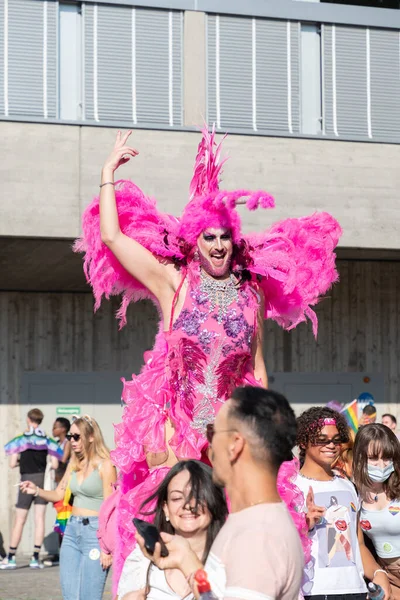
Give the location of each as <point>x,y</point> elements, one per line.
<point>32,465</point>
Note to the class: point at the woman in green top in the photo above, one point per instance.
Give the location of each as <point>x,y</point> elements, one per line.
<point>90,476</point>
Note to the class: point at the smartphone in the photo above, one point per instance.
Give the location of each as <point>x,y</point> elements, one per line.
<point>151,536</point>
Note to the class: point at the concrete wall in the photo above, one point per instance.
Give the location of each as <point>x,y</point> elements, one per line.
<point>49,173</point>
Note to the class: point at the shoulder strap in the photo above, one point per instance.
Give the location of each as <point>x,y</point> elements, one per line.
<point>175,299</point>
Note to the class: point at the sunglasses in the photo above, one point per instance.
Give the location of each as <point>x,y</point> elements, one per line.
<point>335,441</point>
<point>210,432</point>
<point>73,436</point>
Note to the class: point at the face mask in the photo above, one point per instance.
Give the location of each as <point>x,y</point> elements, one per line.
<point>378,475</point>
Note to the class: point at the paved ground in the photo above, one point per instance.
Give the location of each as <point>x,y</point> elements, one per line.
<point>24,583</point>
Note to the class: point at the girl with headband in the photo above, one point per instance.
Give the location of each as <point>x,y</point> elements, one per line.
<point>332,508</point>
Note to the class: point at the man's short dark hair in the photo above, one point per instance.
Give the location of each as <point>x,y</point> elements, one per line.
<point>392,417</point>
<point>271,418</point>
<point>65,424</point>
<point>369,410</point>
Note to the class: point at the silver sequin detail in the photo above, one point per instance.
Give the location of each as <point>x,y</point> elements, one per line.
<point>219,293</point>
<point>205,412</point>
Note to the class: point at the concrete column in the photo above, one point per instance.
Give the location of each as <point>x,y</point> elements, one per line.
<point>194,68</point>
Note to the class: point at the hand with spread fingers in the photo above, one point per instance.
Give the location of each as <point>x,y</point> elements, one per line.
<point>121,153</point>
<point>315,513</point>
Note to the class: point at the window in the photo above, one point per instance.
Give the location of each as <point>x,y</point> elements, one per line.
<point>288,77</point>
<point>253,74</point>
<point>70,62</point>
<point>103,63</point>
<point>310,75</point>
<point>133,65</point>
<point>29,58</point>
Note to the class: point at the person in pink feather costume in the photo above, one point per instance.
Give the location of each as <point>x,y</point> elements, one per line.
<point>213,286</point>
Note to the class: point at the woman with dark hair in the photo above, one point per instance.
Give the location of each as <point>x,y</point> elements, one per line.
<point>187,503</point>
<point>377,477</point>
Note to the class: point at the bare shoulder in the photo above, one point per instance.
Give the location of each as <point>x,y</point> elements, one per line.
<point>106,467</point>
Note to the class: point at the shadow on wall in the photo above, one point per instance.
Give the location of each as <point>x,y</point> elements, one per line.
<point>2,550</point>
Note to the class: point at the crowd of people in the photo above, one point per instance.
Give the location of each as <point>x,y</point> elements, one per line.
<point>245,538</point>
<point>199,418</point>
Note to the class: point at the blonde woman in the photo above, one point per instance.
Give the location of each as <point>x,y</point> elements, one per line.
<point>90,476</point>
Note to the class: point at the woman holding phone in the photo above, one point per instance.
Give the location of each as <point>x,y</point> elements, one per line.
<point>189,504</point>
<point>89,476</point>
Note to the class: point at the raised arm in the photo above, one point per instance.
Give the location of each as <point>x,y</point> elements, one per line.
<point>27,487</point>
<point>155,274</point>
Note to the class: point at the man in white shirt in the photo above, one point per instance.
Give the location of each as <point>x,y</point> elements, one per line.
<point>257,555</point>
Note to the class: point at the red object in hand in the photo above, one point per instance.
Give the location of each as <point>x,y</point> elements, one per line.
<point>203,584</point>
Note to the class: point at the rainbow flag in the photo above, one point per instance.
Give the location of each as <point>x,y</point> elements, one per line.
<point>35,439</point>
<point>350,411</point>
<point>64,511</point>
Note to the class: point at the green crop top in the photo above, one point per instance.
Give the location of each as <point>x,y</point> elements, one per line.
<point>88,494</point>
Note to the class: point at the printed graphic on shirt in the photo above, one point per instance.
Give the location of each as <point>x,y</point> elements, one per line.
<point>387,547</point>
<point>337,534</point>
<point>394,510</point>
<point>365,525</point>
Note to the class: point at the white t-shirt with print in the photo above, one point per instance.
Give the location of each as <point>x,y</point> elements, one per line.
<point>335,566</point>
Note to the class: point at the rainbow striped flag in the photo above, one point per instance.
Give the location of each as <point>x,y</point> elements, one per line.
<point>34,439</point>
<point>350,411</point>
<point>64,511</point>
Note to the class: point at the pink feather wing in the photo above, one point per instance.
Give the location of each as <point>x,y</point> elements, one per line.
<point>295,260</point>
<point>140,220</point>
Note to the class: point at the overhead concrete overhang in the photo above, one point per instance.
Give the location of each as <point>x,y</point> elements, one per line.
<point>50,265</point>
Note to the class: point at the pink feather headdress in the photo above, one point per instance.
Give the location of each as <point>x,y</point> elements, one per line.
<point>210,207</point>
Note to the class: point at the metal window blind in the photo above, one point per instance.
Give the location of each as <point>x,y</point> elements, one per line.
<point>253,73</point>
<point>385,83</point>
<point>159,66</point>
<point>25,58</point>
<point>52,66</point>
<point>88,11</point>
<point>114,63</point>
<point>345,81</point>
<point>133,65</point>
<point>2,25</point>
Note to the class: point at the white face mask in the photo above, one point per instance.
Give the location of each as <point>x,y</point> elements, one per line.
<point>378,475</point>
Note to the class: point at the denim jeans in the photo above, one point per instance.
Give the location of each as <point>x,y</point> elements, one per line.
<point>82,576</point>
